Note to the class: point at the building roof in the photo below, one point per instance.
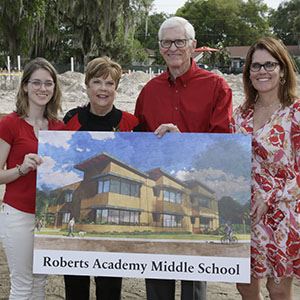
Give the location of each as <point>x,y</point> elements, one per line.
<point>193,183</point>
<point>241,51</point>
<point>68,188</point>
<point>156,173</point>
<point>105,158</point>
<point>294,50</point>
<point>238,51</point>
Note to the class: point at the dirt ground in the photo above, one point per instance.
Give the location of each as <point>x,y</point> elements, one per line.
<point>142,246</point>
<point>133,289</point>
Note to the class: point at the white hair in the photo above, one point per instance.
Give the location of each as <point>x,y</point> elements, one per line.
<point>178,22</point>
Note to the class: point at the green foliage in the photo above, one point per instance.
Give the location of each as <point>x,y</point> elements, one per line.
<point>83,29</point>
<point>286,22</point>
<point>231,22</point>
<point>217,59</point>
<point>297,62</point>
<point>122,28</point>
<point>147,31</point>
<point>41,203</point>
<point>16,24</point>
<point>232,212</point>
<point>147,34</point>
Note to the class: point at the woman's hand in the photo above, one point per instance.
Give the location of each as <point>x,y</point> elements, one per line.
<point>258,210</point>
<point>164,128</point>
<point>30,163</point>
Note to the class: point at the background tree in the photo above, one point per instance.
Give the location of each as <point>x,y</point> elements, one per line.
<point>84,29</point>
<point>149,39</point>
<point>16,21</point>
<point>231,22</point>
<point>230,211</point>
<point>286,22</point>
<point>122,29</point>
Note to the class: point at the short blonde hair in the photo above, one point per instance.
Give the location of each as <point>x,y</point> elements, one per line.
<point>103,66</point>
<point>54,105</point>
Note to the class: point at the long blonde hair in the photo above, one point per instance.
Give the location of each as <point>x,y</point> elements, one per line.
<point>22,104</point>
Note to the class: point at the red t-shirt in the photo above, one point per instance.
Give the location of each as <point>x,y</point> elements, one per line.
<point>198,101</point>
<point>15,131</point>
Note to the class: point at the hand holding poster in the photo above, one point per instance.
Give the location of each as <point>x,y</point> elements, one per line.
<point>133,205</point>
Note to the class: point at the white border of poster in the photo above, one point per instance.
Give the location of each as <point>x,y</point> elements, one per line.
<point>70,162</point>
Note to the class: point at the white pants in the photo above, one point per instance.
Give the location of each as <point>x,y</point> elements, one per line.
<point>17,231</point>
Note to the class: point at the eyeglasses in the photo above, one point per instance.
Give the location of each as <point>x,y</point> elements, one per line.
<point>179,43</point>
<point>37,84</point>
<point>268,66</point>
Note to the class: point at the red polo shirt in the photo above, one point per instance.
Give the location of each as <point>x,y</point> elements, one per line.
<point>198,101</point>
<point>15,131</point>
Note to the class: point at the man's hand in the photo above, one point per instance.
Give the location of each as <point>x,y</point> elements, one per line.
<point>164,128</point>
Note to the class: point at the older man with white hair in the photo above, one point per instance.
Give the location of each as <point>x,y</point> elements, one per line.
<point>184,98</point>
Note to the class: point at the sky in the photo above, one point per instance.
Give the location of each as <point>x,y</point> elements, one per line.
<point>188,156</point>
<point>170,6</point>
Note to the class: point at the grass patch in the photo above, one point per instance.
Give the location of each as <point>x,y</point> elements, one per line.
<point>148,235</point>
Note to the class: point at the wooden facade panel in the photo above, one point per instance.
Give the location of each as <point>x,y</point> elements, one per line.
<point>157,210</point>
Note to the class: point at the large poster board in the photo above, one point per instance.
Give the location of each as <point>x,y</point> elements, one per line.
<point>135,205</point>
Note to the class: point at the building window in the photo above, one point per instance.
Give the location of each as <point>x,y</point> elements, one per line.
<point>201,201</point>
<point>117,217</point>
<point>66,217</point>
<point>125,188</point>
<point>166,195</point>
<point>204,220</point>
<point>113,216</point>
<point>178,198</point>
<point>115,186</point>
<point>172,196</point>
<point>134,190</point>
<point>204,202</point>
<point>68,196</point>
<point>134,217</point>
<point>103,186</point>
<point>119,186</point>
<point>101,216</point>
<point>172,220</point>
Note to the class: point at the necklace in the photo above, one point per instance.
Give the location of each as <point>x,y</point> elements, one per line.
<point>273,104</point>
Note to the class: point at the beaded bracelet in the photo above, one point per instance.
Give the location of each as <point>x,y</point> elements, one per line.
<point>21,173</point>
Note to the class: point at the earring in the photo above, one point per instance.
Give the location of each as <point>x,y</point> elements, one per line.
<point>282,80</point>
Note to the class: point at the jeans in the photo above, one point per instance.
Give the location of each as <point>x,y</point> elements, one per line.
<point>17,231</point>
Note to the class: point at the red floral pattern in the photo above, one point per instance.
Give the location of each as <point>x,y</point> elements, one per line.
<point>275,242</point>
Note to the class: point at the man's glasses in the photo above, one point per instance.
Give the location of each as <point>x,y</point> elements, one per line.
<point>268,66</point>
<point>179,43</point>
<point>37,84</point>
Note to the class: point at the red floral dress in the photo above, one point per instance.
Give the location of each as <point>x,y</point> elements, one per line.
<point>275,240</point>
